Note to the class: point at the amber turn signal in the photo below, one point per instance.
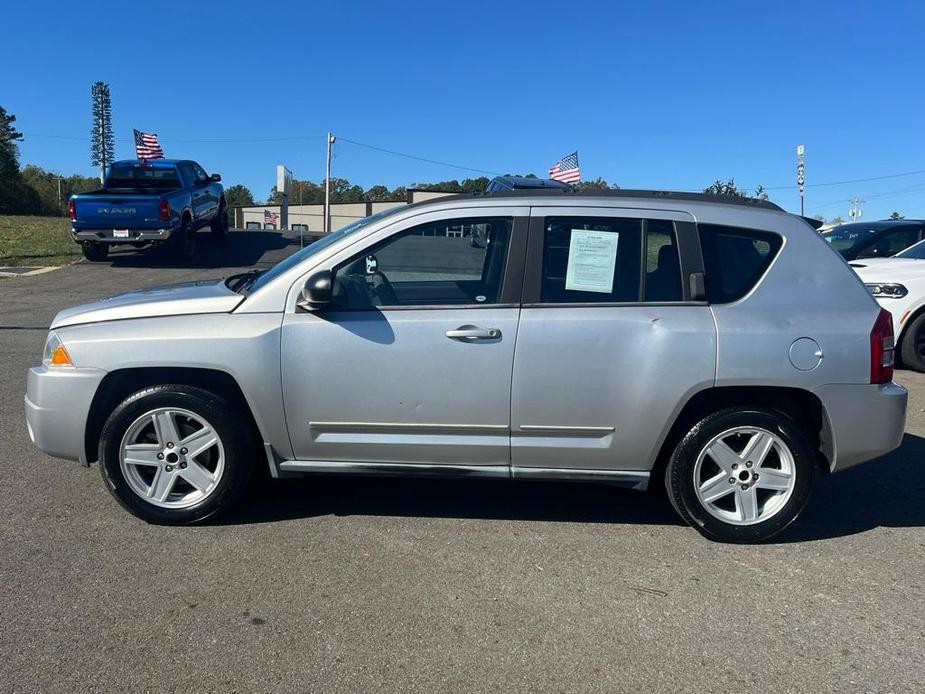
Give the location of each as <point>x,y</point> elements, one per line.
<point>60,357</point>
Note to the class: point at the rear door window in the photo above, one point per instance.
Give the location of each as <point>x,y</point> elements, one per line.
<point>734,259</point>
<point>610,260</point>
<point>591,260</point>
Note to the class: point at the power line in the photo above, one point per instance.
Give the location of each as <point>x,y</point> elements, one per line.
<point>853,180</point>
<point>186,141</point>
<point>416,158</point>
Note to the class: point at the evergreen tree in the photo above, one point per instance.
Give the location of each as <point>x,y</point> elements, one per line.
<point>102,144</point>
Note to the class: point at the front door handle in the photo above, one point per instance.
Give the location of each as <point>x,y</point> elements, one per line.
<point>472,332</point>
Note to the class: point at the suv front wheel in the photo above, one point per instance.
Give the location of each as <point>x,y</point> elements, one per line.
<point>741,475</point>
<point>175,454</point>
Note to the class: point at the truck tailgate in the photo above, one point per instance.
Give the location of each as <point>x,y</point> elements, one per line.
<point>117,210</point>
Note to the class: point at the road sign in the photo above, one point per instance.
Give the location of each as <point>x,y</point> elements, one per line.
<point>283,180</point>
<point>801,173</point>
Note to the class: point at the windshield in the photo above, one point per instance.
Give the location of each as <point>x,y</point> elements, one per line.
<point>312,248</point>
<point>844,238</point>
<point>140,176</point>
<point>916,252</point>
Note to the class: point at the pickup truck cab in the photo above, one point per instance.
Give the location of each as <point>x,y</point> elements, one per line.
<point>711,344</point>
<point>159,202</point>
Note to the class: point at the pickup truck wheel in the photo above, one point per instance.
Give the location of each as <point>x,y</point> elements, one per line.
<point>175,454</point>
<point>95,252</point>
<point>219,225</point>
<point>183,240</point>
<point>912,347</point>
<point>741,475</point>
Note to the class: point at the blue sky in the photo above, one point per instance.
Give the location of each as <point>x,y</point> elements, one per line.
<point>653,95</point>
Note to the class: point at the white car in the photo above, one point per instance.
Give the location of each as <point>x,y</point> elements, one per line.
<point>898,284</point>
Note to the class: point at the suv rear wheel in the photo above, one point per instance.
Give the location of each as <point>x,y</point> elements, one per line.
<point>175,454</point>
<point>741,475</point>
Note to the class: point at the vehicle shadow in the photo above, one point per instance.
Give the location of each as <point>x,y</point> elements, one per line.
<point>573,502</point>
<point>887,492</point>
<point>238,249</point>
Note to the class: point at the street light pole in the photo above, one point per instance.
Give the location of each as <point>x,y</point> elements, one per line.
<point>327,186</point>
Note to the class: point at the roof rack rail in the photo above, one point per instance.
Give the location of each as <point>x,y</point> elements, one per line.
<point>627,193</point>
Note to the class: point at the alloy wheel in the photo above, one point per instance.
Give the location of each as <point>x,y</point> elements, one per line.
<point>744,475</point>
<point>172,458</point>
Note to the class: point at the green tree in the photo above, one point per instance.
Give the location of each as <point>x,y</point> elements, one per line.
<point>102,147</point>
<point>238,196</point>
<point>728,187</point>
<point>15,196</point>
<point>53,189</point>
<point>378,193</point>
<point>597,184</point>
<point>308,192</point>
<point>896,215</point>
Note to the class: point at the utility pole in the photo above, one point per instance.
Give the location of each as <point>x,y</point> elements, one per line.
<point>801,173</point>
<point>855,212</point>
<point>327,186</point>
<point>60,207</point>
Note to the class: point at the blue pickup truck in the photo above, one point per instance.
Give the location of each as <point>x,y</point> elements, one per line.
<point>163,202</point>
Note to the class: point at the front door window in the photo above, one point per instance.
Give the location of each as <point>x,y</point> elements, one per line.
<point>446,263</point>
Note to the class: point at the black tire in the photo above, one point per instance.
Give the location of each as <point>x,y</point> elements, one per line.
<point>235,436</point>
<point>680,480</point>
<point>183,240</point>
<point>912,347</point>
<point>219,225</point>
<point>95,252</point>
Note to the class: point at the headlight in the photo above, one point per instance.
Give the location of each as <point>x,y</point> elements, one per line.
<point>55,353</point>
<point>887,291</point>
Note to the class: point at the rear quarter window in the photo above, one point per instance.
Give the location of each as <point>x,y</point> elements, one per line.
<point>734,259</point>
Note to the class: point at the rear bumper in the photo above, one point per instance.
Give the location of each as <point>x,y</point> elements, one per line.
<point>862,421</point>
<point>57,407</point>
<point>109,235</point>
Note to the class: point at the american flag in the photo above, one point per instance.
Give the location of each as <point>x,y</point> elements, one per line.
<point>269,217</point>
<point>566,169</point>
<point>147,146</point>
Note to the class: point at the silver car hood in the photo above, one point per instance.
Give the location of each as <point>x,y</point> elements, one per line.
<point>205,296</point>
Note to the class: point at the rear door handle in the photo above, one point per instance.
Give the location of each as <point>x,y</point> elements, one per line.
<point>472,332</point>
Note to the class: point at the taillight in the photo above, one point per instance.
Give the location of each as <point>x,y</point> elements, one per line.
<point>72,210</point>
<point>164,210</point>
<point>881,348</point>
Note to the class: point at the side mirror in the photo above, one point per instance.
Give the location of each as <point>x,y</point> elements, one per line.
<point>216,177</point>
<point>317,291</point>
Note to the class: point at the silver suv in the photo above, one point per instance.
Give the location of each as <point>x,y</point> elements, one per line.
<point>716,346</point>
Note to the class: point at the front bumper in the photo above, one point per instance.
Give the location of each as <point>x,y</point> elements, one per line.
<point>862,421</point>
<point>109,235</point>
<point>57,407</point>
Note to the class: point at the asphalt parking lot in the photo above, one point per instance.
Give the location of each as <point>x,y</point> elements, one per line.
<point>353,585</point>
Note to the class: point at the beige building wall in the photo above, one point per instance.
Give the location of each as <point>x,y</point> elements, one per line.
<point>312,216</point>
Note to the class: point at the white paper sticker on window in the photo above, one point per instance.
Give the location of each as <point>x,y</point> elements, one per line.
<point>592,256</point>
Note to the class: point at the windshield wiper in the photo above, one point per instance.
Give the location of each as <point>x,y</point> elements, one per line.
<point>240,282</point>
